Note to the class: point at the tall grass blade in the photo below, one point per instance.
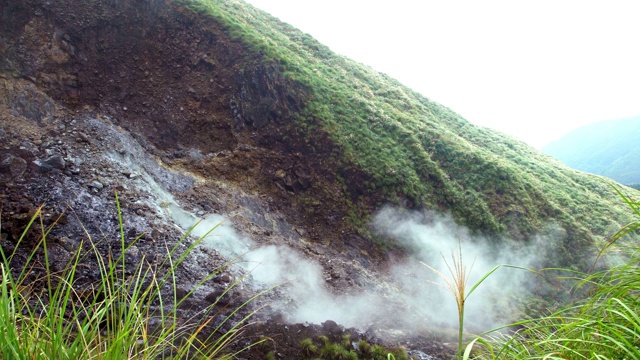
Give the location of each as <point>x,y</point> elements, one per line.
<point>109,320</point>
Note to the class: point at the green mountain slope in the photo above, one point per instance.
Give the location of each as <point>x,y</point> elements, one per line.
<point>413,151</point>
<point>608,148</point>
<point>229,93</point>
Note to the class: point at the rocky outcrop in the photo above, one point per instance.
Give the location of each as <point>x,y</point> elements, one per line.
<point>262,96</point>
<point>184,89</point>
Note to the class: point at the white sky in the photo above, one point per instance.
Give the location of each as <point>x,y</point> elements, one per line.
<point>531,69</point>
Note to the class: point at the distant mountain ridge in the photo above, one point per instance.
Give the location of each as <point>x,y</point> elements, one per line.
<point>608,148</point>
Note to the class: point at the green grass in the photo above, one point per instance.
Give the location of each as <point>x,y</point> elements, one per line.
<point>605,325</point>
<point>344,350</point>
<point>308,347</point>
<point>132,314</point>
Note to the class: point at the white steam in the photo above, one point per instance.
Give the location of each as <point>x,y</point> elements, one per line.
<point>406,295</point>
<point>433,239</point>
<point>303,281</point>
<point>216,230</point>
<point>307,299</point>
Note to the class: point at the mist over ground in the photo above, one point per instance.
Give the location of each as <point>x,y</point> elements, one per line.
<point>409,295</point>
<point>433,239</point>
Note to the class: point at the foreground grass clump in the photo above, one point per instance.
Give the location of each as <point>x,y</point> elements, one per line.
<point>130,312</point>
<point>345,349</point>
<point>606,325</point>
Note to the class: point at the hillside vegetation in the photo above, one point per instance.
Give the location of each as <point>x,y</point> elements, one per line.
<point>608,148</point>
<point>415,152</point>
<point>602,326</point>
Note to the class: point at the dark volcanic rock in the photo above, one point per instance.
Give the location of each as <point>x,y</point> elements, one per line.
<point>55,162</point>
<point>332,327</point>
<point>12,167</point>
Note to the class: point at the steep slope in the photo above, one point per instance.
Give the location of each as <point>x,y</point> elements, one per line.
<point>608,148</point>
<point>213,108</point>
<point>228,92</point>
<point>393,145</point>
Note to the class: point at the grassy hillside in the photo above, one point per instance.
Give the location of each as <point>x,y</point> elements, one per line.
<point>417,152</point>
<point>608,148</point>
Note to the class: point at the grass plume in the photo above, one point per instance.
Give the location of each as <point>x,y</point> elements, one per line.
<point>456,284</point>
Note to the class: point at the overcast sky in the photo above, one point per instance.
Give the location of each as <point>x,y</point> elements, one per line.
<point>531,69</point>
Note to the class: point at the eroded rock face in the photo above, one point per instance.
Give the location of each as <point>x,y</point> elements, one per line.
<point>142,99</point>
<point>164,74</point>
<point>76,162</point>
<point>92,91</point>
<point>187,93</point>
<point>187,96</point>
<point>261,97</point>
